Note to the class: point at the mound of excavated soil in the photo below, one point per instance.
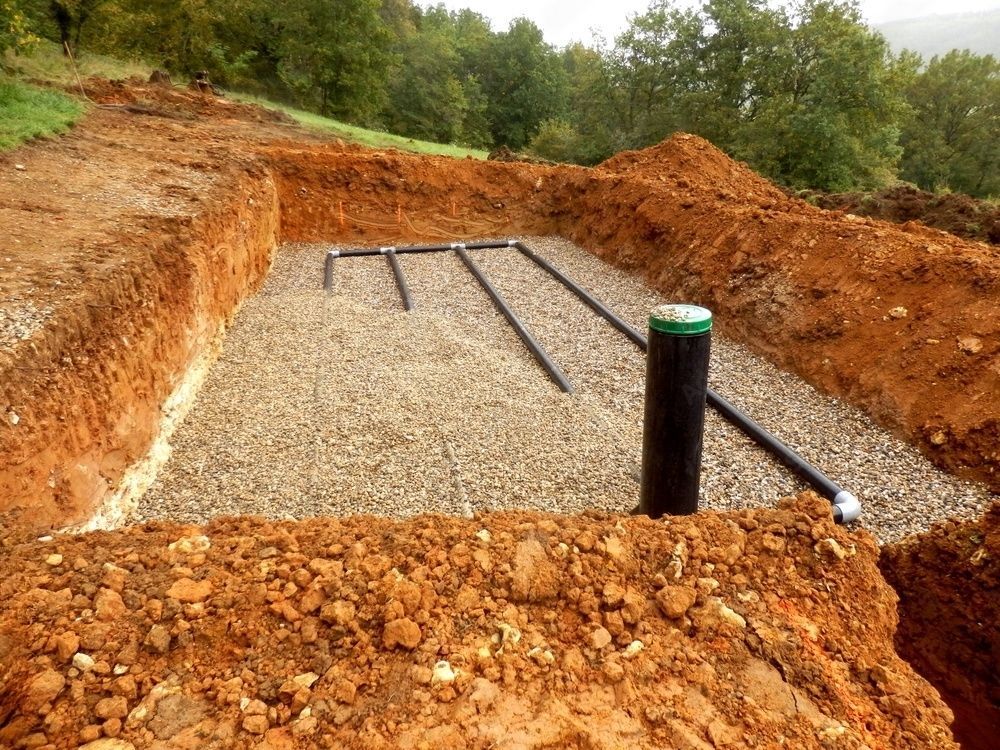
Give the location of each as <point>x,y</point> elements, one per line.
<point>516,630</point>
<point>958,214</point>
<point>948,581</point>
<point>693,164</point>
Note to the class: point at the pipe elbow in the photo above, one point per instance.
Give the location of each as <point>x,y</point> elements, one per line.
<point>846,507</point>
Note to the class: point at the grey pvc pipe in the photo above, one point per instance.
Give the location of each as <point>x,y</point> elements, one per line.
<point>846,507</point>
<point>404,288</point>
<point>501,304</point>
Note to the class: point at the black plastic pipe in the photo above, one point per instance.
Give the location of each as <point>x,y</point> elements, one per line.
<point>328,270</point>
<point>673,423</point>
<point>404,288</point>
<point>529,341</point>
<point>845,505</point>
<point>363,251</point>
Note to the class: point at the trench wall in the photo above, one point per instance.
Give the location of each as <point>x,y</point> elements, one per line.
<point>99,384</point>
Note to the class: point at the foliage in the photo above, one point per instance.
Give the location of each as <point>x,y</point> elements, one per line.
<point>30,112</point>
<point>15,28</point>
<point>803,90</point>
<point>953,137</point>
<point>523,81</point>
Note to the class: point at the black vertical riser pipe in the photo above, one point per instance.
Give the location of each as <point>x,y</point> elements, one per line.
<point>846,506</point>
<point>674,416</point>
<point>404,288</point>
<point>328,270</point>
<point>529,341</point>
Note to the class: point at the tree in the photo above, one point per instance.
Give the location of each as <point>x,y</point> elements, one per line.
<point>335,56</point>
<point>427,99</point>
<point>70,17</point>
<point>952,139</point>
<point>523,81</point>
<point>832,119</point>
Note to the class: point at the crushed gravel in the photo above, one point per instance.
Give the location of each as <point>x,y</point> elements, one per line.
<point>336,404</point>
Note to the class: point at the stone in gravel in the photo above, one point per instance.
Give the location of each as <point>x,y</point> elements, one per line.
<point>158,639</point>
<point>43,689</point>
<point>108,605</point>
<point>54,559</point>
<point>83,662</point>
<point>188,591</point>
<point>675,601</point>
<point>401,632</point>
<point>111,708</point>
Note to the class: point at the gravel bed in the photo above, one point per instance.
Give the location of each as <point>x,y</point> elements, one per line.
<point>335,404</point>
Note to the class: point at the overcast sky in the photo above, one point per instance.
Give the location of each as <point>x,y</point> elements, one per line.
<point>564,21</point>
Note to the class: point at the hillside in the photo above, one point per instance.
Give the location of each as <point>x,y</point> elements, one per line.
<point>936,35</point>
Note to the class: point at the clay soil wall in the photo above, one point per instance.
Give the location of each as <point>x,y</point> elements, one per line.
<point>90,392</point>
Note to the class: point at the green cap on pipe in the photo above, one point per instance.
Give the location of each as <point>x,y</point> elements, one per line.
<point>681,320</point>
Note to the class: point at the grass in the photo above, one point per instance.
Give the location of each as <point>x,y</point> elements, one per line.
<point>46,63</point>
<point>27,112</point>
<point>364,136</point>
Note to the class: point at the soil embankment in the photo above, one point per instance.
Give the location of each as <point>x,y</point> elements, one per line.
<point>519,630</point>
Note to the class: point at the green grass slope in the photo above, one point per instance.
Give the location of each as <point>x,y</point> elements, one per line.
<point>28,112</point>
<point>373,138</point>
<point>46,63</point>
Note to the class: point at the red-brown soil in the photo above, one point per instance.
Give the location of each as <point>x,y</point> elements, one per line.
<point>758,629</point>
<point>132,239</point>
<point>961,215</point>
<point>948,581</point>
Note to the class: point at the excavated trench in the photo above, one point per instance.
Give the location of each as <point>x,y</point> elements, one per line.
<point>96,438</point>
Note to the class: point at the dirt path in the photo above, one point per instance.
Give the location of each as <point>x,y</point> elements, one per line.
<point>345,404</point>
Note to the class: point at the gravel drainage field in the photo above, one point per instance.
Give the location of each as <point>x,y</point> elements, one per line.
<point>342,403</point>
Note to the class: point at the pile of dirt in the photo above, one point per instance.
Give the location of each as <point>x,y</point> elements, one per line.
<point>948,581</point>
<point>958,214</point>
<point>153,98</point>
<point>691,164</point>
<point>514,630</point>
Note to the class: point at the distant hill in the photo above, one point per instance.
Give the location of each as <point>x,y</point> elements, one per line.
<point>935,35</point>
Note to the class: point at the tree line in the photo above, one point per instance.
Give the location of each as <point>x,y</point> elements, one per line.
<point>805,92</point>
